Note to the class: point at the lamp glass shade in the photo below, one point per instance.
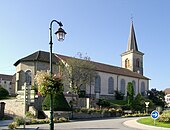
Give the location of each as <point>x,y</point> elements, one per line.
<point>60,34</point>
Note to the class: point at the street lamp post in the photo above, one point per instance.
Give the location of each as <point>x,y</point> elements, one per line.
<point>60,36</point>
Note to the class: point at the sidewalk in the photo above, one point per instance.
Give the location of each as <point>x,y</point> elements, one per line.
<point>134,124</point>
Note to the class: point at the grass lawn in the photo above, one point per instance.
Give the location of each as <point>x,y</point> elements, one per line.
<point>150,121</point>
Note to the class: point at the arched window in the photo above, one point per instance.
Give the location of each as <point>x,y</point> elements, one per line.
<point>134,86</point>
<point>143,89</point>
<point>122,86</point>
<point>97,87</point>
<point>126,63</point>
<point>137,62</point>
<point>28,77</point>
<point>110,85</point>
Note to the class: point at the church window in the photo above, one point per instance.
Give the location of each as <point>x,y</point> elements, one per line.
<point>28,77</point>
<point>127,63</point>
<point>110,85</point>
<point>97,87</point>
<point>122,86</point>
<point>142,88</point>
<point>134,86</point>
<point>137,62</point>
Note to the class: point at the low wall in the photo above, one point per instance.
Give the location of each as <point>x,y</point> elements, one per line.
<point>13,107</point>
<point>94,115</point>
<point>79,115</point>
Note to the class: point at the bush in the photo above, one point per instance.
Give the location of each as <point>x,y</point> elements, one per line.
<point>119,95</point>
<point>19,120</point>
<point>62,119</point>
<point>59,103</point>
<point>12,125</point>
<point>165,116</point>
<point>103,103</point>
<point>3,93</point>
<point>29,115</point>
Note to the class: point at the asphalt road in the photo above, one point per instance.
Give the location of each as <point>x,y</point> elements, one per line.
<point>104,124</point>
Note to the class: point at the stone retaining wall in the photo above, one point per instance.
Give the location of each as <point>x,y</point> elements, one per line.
<point>13,107</point>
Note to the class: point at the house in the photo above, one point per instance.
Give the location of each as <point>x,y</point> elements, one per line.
<point>167,96</point>
<point>8,82</point>
<point>109,79</point>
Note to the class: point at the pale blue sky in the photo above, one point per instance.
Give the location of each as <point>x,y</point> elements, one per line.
<point>99,28</point>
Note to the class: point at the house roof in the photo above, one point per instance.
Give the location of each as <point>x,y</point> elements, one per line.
<point>44,57</point>
<point>6,77</point>
<point>167,91</point>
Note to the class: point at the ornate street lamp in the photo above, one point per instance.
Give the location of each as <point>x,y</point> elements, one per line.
<point>60,36</point>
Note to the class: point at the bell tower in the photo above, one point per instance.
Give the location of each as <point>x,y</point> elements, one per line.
<point>132,58</point>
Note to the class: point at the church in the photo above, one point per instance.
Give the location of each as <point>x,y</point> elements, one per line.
<point>108,80</point>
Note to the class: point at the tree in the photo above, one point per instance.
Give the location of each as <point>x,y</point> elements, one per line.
<point>157,97</point>
<point>130,93</point>
<point>3,93</point>
<point>78,72</point>
<point>138,103</point>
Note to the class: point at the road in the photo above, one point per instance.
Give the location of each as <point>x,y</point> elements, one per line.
<point>104,124</point>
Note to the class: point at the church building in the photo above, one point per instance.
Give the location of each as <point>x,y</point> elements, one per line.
<point>109,78</point>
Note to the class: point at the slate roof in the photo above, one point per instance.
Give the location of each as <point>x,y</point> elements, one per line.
<point>44,57</point>
<point>132,44</point>
<point>38,56</point>
<point>6,77</point>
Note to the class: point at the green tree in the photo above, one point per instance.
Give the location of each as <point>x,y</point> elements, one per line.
<point>3,93</point>
<point>157,97</point>
<point>130,93</point>
<point>138,103</point>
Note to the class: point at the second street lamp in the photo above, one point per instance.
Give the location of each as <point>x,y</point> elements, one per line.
<point>60,36</point>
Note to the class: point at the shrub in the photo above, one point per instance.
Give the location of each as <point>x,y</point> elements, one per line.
<point>12,125</point>
<point>59,103</point>
<point>3,93</point>
<point>119,95</point>
<point>19,120</point>
<point>62,119</point>
<point>165,116</point>
<point>103,103</point>
<point>29,115</point>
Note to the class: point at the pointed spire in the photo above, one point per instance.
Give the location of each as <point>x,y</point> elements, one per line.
<point>132,44</point>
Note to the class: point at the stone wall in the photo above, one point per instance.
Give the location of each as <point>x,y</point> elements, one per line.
<point>13,107</point>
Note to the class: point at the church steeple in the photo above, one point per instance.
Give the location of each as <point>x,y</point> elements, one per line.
<point>132,44</point>
<point>132,59</point>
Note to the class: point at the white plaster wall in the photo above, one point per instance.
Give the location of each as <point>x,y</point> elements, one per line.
<point>117,83</point>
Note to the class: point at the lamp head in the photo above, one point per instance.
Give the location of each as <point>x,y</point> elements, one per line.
<point>60,34</point>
